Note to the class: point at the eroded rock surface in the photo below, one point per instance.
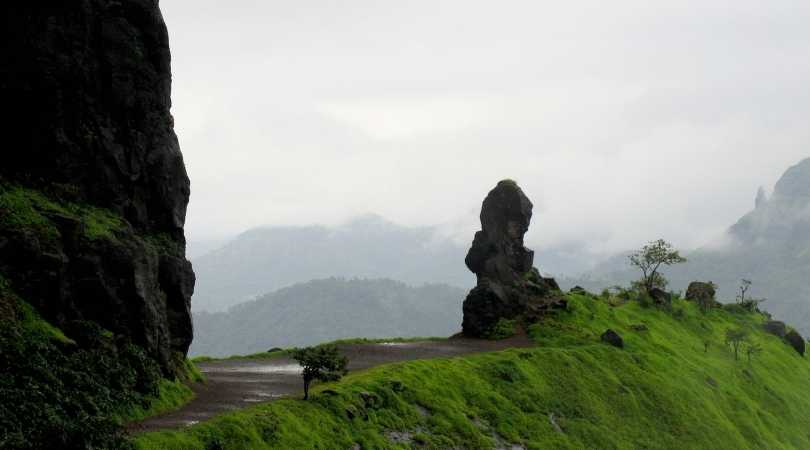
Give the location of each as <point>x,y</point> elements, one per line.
<point>508,285</point>
<point>796,341</point>
<point>88,85</point>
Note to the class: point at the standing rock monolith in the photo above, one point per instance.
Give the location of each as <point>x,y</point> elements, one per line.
<point>508,285</point>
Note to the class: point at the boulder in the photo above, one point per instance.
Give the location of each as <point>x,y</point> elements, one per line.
<point>775,327</point>
<point>578,290</point>
<point>660,296</point>
<point>89,85</point>
<point>699,291</point>
<point>611,337</point>
<point>508,285</point>
<point>796,341</point>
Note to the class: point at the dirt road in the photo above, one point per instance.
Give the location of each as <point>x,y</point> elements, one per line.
<point>235,384</point>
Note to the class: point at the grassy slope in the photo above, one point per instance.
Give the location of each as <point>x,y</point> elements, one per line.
<point>172,394</point>
<point>661,391</point>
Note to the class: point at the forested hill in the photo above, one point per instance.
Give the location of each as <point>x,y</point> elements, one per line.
<point>324,310</point>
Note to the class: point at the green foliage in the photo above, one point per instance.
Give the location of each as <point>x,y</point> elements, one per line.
<point>321,363</point>
<point>503,329</point>
<point>736,338</point>
<point>72,389</point>
<point>663,391</point>
<point>28,210</point>
<point>744,301</point>
<point>33,322</point>
<point>170,396</point>
<point>650,259</point>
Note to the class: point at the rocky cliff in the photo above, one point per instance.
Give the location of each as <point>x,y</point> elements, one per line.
<point>782,219</point>
<point>508,285</point>
<point>93,189</point>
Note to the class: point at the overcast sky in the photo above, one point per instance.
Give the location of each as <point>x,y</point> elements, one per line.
<point>623,121</point>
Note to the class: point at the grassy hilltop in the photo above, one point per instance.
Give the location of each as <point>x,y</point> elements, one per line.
<point>664,390</point>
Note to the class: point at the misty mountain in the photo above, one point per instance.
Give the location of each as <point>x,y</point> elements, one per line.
<point>324,310</point>
<point>263,259</point>
<point>268,258</point>
<point>769,246</point>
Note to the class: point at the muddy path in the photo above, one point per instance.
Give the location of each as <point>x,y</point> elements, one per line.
<point>235,384</point>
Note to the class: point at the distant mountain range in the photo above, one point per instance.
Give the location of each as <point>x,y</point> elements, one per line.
<point>268,258</point>
<point>769,246</point>
<point>264,259</point>
<point>325,310</point>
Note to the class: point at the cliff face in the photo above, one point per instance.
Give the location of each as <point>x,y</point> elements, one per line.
<point>93,189</point>
<point>508,285</point>
<point>784,219</point>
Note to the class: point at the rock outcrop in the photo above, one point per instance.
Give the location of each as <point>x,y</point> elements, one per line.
<point>93,186</point>
<point>508,286</point>
<point>796,341</point>
<point>613,338</point>
<point>776,328</point>
<point>699,291</point>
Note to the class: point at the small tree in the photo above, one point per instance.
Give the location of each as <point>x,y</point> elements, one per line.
<point>650,259</point>
<point>745,285</point>
<point>749,303</point>
<point>322,363</point>
<point>736,337</point>
<point>751,349</point>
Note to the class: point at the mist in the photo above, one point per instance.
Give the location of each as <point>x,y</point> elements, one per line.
<point>623,122</point>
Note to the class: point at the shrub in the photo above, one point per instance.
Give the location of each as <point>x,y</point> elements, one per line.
<point>323,363</point>
<point>503,329</point>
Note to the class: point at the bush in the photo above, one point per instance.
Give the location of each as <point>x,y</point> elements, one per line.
<point>65,395</point>
<point>503,329</point>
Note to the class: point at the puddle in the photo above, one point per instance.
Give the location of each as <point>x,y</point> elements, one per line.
<point>293,369</point>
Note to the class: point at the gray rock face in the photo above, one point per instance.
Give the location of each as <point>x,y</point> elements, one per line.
<point>783,218</point>
<point>796,341</point>
<point>699,291</point>
<point>776,328</point>
<point>508,286</point>
<point>497,251</point>
<point>89,84</point>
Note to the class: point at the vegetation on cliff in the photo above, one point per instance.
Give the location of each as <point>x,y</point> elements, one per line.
<point>676,384</point>
<point>72,389</point>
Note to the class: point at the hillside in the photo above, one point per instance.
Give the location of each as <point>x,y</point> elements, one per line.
<point>325,310</point>
<point>768,246</point>
<point>661,391</point>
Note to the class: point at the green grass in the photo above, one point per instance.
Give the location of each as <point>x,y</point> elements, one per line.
<point>23,209</point>
<point>661,392</point>
<point>171,396</point>
<point>33,321</point>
